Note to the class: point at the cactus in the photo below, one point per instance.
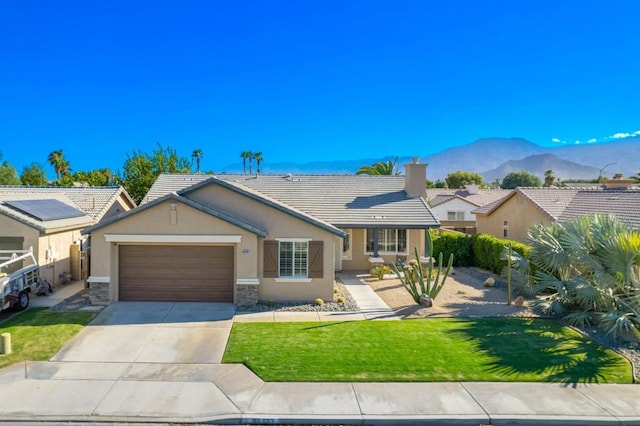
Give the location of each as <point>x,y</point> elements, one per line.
<point>423,287</point>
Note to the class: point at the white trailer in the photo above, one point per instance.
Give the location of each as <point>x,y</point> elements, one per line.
<point>16,286</point>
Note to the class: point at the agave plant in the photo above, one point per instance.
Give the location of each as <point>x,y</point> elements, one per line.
<point>423,286</point>
<point>587,271</point>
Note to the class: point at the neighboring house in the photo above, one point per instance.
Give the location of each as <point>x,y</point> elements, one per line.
<point>49,220</point>
<point>241,239</point>
<point>512,216</point>
<point>454,208</point>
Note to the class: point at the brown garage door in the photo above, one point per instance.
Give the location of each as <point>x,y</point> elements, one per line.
<point>176,273</point>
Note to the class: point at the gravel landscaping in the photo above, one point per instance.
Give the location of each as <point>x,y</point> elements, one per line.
<point>349,305</point>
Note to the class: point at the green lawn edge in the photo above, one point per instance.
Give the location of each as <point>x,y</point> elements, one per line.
<point>38,333</point>
<point>424,350</point>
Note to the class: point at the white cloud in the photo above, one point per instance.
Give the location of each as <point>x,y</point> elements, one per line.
<point>636,133</point>
<point>620,135</point>
<point>556,140</point>
<point>592,140</point>
<point>577,142</point>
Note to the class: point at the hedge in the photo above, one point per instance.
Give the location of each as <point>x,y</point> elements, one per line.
<point>487,249</point>
<point>447,242</point>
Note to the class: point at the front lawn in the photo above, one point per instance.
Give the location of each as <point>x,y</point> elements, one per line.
<point>424,350</point>
<point>37,334</point>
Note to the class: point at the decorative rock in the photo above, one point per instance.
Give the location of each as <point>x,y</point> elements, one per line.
<point>426,300</point>
<point>519,301</point>
<point>489,282</point>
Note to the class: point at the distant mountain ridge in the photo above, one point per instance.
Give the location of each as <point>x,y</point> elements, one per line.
<point>488,154</point>
<point>538,164</point>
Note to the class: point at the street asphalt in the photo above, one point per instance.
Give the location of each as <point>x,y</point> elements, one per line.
<point>160,363</point>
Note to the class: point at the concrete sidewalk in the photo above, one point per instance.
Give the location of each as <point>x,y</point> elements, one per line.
<point>231,394</point>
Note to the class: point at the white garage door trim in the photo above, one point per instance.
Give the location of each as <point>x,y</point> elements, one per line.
<point>154,238</point>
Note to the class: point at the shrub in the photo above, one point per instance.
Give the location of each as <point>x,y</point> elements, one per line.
<point>380,271</point>
<point>449,242</point>
<point>340,299</point>
<point>319,302</point>
<point>487,251</point>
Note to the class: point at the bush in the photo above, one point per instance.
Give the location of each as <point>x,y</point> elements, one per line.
<point>487,250</point>
<point>449,242</point>
<point>319,302</point>
<point>380,271</point>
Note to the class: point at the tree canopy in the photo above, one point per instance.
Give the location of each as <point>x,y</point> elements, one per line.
<point>8,174</point>
<point>459,178</point>
<point>523,178</point>
<point>33,175</point>
<point>141,169</point>
<point>381,168</point>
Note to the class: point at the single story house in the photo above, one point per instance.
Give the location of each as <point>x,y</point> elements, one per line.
<point>239,238</point>
<point>512,216</point>
<point>50,220</point>
<point>454,207</point>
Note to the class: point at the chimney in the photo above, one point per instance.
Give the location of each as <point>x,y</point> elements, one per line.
<point>415,179</point>
<point>618,182</point>
<point>472,188</point>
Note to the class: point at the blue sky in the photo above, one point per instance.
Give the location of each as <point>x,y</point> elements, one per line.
<point>310,80</point>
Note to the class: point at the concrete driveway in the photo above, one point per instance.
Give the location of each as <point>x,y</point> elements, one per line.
<point>154,332</point>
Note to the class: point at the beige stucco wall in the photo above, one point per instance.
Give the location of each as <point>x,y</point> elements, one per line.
<point>59,241</point>
<point>248,253</point>
<point>61,244</point>
<point>519,212</point>
<point>157,221</point>
<point>360,258</point>
<point>278,225</point>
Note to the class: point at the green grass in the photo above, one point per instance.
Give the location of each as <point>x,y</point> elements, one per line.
<point>37,334</point>
<point>424,350</point>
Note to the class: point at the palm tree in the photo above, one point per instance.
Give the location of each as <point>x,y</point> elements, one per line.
<point>197,154</point>
<point>381,168</point>
<point>549,178</point>
<point>244,155</point>
<point>60,165</point>
<point>258,157</point>
<point>587,271</point>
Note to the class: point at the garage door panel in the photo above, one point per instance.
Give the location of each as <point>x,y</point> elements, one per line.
<point>176,273</point>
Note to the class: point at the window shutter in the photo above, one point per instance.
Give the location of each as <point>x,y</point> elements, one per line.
<point>316,259</point>
<point>270,267</point>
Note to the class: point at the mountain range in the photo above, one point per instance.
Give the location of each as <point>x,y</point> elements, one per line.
<point>495,157</point>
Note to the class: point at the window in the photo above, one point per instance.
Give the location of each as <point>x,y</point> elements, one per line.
<point>455,215</point>
<point>505,229</point>
<point>346,244</point>
<point>389,240</point>
<point>293,259</point>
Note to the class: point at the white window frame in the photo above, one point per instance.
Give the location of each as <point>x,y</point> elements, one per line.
<point>366,238</point>
<point>457,214</point>
<point>294,277</point>
<point>347,255</point>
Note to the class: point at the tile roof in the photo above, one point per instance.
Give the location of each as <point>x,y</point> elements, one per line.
<point>550,200</point>
<point>256,229</point>
<point>484,196</point>
<point>343,201</point>
<point>264,199</point>
<point>94,201</point>
<point>624,204</point>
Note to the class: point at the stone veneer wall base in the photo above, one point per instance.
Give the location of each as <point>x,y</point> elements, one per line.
<point>247,294</point>
<point>99,293</point>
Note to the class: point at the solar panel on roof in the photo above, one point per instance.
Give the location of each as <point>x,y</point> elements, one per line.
<point>45,210</point>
